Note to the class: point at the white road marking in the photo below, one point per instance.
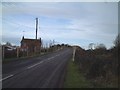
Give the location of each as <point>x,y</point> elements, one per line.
<point>6,77</point>
<point>48,59</point>
<point>31,66</point>
<point>42,61</point>
<point>35,65</point>
<point>57,55</point>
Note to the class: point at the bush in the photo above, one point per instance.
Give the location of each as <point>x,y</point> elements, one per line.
<point>98,68</point>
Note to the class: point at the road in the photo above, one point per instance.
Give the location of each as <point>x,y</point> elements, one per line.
<point>47,71</point>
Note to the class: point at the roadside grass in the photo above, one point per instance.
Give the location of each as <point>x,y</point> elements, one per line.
<point>75,79</point>
<point>22,58</point>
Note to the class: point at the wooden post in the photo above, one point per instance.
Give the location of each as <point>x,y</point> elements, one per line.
<point>35,50</point>
<point>3,52</point>
<point>27,51</point>
<point>17,52</point>
<point>74,49</point>
<point>0,53</point>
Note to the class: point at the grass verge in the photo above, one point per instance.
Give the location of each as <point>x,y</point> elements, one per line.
<point>22,58</point>
<point>75,79</point>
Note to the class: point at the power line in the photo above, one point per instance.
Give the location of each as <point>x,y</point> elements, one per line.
<point>58,28</point>
<point>16,23</point>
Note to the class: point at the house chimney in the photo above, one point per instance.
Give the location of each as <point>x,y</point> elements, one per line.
<point>36,27</point>
<point>23,37</point>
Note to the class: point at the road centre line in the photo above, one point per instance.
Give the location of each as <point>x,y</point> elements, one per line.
<point>42,61</point>
<point>6,77</point>
<point>30,67</point>
<point>35,65</point>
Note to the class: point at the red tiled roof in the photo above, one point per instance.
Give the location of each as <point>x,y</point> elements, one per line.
<point>30,40</point>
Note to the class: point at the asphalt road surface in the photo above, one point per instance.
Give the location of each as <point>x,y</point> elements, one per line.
<point>47,71</point>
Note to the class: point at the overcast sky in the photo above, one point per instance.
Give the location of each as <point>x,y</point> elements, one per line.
<point>72,23</point>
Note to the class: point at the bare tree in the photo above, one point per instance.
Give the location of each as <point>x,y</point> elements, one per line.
<point>8,44</point>
<point>117,41</point>
<point>91,46</point>
<point>101,46</point>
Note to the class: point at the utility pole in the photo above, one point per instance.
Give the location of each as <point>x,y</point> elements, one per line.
<point>36,27</point>
<point>74,50</point>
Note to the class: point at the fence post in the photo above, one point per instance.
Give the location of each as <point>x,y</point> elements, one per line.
<point>17,52</point>
<point>74,50</point>
<point>3,52</point>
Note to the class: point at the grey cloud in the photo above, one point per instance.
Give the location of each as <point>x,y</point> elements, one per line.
<point>97,20</point>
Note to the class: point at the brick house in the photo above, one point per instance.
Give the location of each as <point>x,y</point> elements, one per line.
<point>30,45</point>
